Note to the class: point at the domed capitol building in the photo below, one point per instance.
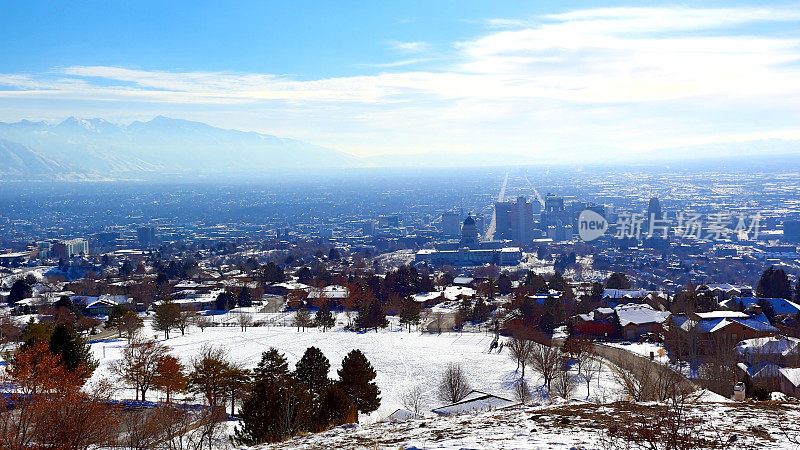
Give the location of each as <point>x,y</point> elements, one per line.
<point>470,251</point>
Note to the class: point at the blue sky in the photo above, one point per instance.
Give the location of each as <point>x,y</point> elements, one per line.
<point>370,78</point>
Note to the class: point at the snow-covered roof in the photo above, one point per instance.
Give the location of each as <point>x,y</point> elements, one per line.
<point>725,287</point>
<point>722,315</point>
<point>462,280</point>
<point>333,291</point>
<point>780,305</point>
<point>423,297</point>
<point>764,369</point>
<point>625,293</point>
<point>475,401</point>
<point>452,292</point>
<point>792,374</point>
<point>775,345</point>
<point>188,285</point>
<point>640,314</point>
<point>110,300</point>
<point>714,321</point>
<point>292,286</point>
<point>401,415</point>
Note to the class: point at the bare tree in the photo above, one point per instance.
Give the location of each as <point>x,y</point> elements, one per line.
<point>10,332</point>
<point>643,380</point>
<point>718,370</point>
<point>302,318</point>
<point>522,392</point>
<point>245,320</point>
<point>202,322</point>
<point>520,350</point>
<point>412,399</point>
<point>139,364</point>
<point>185,318</point>
<point>438,319</point>
<point>454,384</point>
<point>545,360</point>
<point>564,382</point>
<point>130,323</point>
<point>588,367</point>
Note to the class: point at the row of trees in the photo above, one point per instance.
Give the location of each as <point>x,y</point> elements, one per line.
<point>560,369</point>
<point>281,403</point>
<point>275,403</point>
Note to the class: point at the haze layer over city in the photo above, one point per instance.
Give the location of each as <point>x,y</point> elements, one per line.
<point>400,225</point>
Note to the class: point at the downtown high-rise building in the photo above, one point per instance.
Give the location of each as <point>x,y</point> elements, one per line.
<point>451,224</point>
<point>514,220</point>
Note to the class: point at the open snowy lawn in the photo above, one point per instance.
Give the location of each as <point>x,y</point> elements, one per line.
<point>401,359</point>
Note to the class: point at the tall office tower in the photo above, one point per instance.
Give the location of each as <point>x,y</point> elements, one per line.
<point>69,248</point>
<point>514,220</point>
<point>654,209</point>
<point>554,214</point>
<point>791,230</point>
<point>451,224</point>
<point>146,236</point>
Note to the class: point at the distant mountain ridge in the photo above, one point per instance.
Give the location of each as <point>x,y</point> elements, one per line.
<point>96,148</point>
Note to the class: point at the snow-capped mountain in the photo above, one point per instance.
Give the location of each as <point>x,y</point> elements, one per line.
<point>162,145</point>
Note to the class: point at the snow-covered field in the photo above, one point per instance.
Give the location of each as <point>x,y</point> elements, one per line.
<point>402,360</point>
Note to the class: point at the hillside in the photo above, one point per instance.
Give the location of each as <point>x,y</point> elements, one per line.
<point>575,426</point>
<point>162,145</point>
<point>17,160</point>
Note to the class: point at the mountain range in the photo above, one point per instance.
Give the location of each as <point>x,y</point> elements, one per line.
<point>166,148</point>
<point>98,149</point>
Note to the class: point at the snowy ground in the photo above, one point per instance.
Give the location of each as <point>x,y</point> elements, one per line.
<point>402,360</point>
<point>578,426</point>
<point>643,349</point>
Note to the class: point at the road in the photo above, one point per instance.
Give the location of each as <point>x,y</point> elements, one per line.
<point>536,192</point>
<point>493,224</point>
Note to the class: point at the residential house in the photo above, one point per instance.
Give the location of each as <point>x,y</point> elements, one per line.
<point>790,381</point>
<point>633,319</point>
<point>725,291</point>
<point>721,328</point>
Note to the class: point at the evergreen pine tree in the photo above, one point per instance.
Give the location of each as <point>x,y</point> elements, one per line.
<point>376,317</point>
<point>357,379</point>
<point>312,370</point>
<point>335,408</point>
<point>371,315</point>
<point>225,301</point>
<point>504,284</point>
<point>272,367</point>
<point>20,290</point>
<point>72,348</point>
<point>774,284</point>
<point>244,300</point>
<point>324,318</point>
<point>480,312</point>
<point>273,411</point>
<point>465,309</point>
<point>618,280</point>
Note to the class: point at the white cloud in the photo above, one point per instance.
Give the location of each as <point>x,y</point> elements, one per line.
<point>409,47</point>
<point>626,78</point>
